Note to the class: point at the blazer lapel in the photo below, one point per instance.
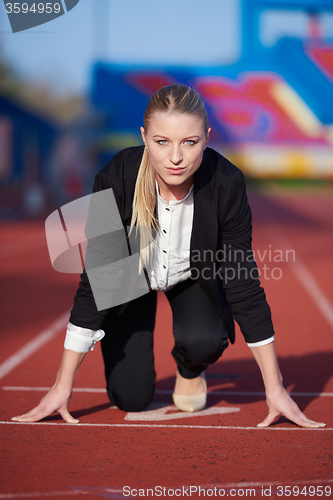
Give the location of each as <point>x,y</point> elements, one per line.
<point>205,221</point>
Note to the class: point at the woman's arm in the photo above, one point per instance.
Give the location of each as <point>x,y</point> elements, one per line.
<point>278,400</point>
<point>239,274</point>
<point>57,399</point>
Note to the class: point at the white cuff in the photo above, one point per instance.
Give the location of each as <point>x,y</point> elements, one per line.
<point>81,339</point>
<point>261,342</point>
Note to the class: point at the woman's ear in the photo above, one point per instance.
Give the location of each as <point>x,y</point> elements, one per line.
<point>143,135</point>
<point>207,136</point>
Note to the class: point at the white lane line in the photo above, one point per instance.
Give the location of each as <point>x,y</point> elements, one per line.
<point>45,494</point>
<point>158,411</point>
<point>313,289</point>
<point>305,277</point>
<point>269,483</point>
<point>253,393</point>
<point>174,426</point>
<point>99,390</point>
<point>33,346</point>
<point>45,389</point>
<point>99,491</point>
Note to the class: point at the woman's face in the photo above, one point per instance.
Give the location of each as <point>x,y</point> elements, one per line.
<point>175,144</point>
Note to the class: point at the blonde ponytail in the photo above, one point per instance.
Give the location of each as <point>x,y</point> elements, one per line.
<point>143,214</point>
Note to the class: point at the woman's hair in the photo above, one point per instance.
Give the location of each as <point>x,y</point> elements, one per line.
<point>171,99</point>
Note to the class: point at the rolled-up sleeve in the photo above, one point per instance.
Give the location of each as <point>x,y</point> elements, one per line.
<point>81,339</point>
<point>261,342</point>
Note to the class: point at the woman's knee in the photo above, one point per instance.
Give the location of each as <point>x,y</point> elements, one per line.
<point>131,400</point>
<point>204,352</point>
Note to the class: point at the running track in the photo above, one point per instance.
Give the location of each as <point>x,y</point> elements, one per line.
<point>219,447</point>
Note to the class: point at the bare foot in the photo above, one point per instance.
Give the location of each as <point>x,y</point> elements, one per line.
<point>189,387</point>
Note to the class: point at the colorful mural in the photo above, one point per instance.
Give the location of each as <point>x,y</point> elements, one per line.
<point>322,56</point>
<point>271,112</point>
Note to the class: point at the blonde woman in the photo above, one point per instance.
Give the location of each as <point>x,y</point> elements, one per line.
<point>195,201</point>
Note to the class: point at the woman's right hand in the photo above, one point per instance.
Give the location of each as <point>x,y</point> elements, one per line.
<point>56,400</point>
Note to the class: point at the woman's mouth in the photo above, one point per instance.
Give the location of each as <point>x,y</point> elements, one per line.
<point>175,170</point>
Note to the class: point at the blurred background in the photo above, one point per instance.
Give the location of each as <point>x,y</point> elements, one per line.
<point>73,91</point>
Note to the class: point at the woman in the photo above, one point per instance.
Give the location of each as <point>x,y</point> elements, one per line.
<point>196,202</point>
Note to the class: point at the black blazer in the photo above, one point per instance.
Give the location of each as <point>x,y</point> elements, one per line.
<point>221,253</point>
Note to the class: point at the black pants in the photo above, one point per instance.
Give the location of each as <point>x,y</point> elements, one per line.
<point>200,338</point>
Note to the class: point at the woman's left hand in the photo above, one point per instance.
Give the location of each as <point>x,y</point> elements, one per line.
<point>278,400</point>
<point>280,403</point>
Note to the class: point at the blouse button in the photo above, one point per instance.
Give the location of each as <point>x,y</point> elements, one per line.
<point>164,251</point>
<point>164,231</point>
<point>164,267</point>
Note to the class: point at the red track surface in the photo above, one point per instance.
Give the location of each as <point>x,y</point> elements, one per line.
<point>207,450</point>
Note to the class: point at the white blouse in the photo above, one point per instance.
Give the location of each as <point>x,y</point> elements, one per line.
<point>171,258</point>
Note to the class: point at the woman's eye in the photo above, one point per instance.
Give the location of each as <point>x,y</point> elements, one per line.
<point>190,142</point>
<point>162,141</point>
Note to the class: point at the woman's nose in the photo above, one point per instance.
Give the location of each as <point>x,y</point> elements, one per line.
<point>176,155</point>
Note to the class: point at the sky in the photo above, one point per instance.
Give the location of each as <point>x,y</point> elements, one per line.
<point>60,54</point>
